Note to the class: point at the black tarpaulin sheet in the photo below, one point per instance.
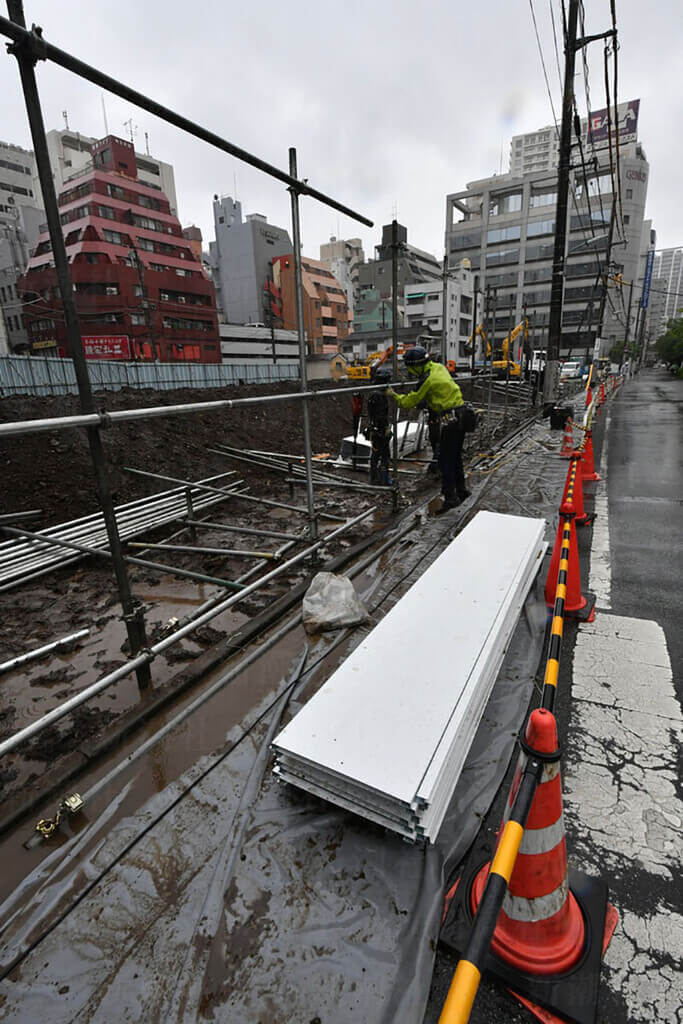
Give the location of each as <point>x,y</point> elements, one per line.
<point>252,901</point>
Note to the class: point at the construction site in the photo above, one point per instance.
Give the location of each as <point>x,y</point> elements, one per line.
<point>292,731</point>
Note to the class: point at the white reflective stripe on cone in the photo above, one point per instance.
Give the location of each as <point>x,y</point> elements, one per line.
<point>539,909</point>
<point>542,840</point>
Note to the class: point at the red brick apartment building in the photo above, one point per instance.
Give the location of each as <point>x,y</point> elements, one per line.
<point>141,291</point>
<point>326,310</point>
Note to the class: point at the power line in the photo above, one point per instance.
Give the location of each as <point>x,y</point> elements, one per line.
<point>557,52</point>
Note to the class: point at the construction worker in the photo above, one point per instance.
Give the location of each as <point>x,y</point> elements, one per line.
<point>378,431</point>
<point>442,395</point>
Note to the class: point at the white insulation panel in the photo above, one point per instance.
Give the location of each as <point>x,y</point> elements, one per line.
<point>388,733</point>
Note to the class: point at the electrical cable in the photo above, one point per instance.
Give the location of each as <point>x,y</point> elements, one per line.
<point>557,52</point>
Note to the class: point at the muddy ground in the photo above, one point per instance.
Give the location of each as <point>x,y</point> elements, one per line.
<point>52,472</point>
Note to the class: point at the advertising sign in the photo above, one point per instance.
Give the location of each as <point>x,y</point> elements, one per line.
<point>108,346</point>
<point>598,121</point>
<point>647,281</point>
<point>45,343</point>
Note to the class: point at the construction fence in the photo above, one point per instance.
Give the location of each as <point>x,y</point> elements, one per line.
<point>45,375</point>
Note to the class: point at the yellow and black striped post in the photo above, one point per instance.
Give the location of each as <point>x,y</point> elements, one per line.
<point>552,667</point>
<point>463,989</point>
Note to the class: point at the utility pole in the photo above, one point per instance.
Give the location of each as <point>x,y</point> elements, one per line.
<point>394,355</point>
<point>552,372</point>
<point>145,302</point>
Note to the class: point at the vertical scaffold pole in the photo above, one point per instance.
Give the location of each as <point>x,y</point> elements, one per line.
<point>296,238</point>
<point>132,611</point>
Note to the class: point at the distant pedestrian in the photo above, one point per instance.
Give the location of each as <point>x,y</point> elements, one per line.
<point>442,396</point>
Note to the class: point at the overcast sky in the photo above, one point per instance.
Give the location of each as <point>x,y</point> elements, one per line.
<point>390,105</point>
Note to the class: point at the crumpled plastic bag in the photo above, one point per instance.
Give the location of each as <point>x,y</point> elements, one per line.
<point>331,602</point>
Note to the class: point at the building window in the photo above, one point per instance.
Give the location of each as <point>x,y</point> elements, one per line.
<point>629,193</point>
<point>466,240</point>
<point>494,259</point>
<point>540,227</point>
<point>137,319</point>
<point>627,218</point>
<point>542,199</point>
<point>509,234</point>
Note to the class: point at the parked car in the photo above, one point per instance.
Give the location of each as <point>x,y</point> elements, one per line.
<point>570,370</point>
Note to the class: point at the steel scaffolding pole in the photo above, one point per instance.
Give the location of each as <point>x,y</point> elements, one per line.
<point>296,238</point>
<point>132,610</point>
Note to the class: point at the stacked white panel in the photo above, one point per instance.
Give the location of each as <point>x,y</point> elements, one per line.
<point>388,733</point>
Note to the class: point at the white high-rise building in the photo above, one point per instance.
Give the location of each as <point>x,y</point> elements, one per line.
<point>668,273</point>
<point>534,151</point>
<point>344,257</point>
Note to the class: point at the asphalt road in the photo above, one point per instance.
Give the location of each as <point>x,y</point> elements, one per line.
<point>619,715</point>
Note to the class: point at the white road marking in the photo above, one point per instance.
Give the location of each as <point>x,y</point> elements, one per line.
<point>600,576</point>
<point>621,803</point>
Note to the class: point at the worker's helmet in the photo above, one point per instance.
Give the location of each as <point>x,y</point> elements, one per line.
<point>415,359</point>
<point>380,375</point>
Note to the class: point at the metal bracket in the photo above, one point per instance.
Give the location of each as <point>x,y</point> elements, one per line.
<point>33,47</point>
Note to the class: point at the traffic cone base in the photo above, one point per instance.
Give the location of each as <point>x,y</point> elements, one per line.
<point>547,1016</point>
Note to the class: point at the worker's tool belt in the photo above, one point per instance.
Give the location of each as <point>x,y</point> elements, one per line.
<point>450,415</point>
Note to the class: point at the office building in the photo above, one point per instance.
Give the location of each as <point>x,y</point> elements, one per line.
<point>140,291</point>
<point>241,260</point>
<point>71,154</point>
<point>326,312</point>
<point>344,258</point>
<point>371,312</point>
<point>424,308</point>
<point>20,221</point>
<point>506,226</point>
<point>414,265</point>
<point>667,302</point>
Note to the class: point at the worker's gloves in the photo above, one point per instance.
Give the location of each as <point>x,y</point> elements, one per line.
<point>390,393</point>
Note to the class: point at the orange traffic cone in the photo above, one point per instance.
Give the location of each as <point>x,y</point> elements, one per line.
<point>581,517</point>
<point>589,396</point>
<point>568,439</point>
<point>589,472</point>
<point>601,399</point>
<point>540,928</point>
<point>566,556</point>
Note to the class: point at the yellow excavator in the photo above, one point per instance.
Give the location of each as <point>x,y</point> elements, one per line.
<point>486,347</point>
<point>500,366</point>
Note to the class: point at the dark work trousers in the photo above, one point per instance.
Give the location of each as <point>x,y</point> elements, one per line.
<point>379,458</point>
<point>450,457</point>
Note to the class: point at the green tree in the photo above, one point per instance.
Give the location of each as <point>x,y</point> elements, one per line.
<point>669,347</point>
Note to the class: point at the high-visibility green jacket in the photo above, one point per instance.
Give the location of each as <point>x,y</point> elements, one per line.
<point>437,389</point>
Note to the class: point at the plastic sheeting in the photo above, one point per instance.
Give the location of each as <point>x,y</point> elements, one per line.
<point>331,602</point>
<point>281,908</point>
<point>249,901</point>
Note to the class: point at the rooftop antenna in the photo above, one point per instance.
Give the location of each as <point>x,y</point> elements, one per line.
<point>132,129</point>
<point>147,143</point>
<point>394,211</point>
<point>104,115</point>
<point>65,115</point>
